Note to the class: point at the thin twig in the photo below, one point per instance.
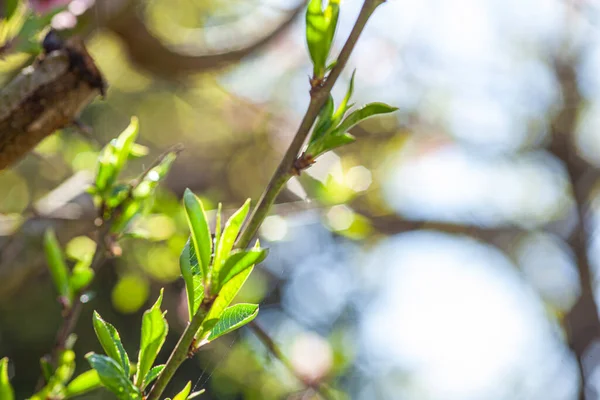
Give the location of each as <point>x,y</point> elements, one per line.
<point>319,95</point>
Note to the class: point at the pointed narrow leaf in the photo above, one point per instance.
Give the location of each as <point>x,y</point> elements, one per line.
<point>111,342</point>
<point>85,382</point>
<point>46,367</point>
<point>192,276</point>
<point>6,390</point>
<point>361,114</point>
<point>218,226</point>
<point>154,332</point>
<point>230,233</point>
<point>329,142</point>
<point>199,231</point>
<point>324,120</point>
<point>233,317</point>
<point>124,143</point>
<point>238,262</point>
<point>344,105</point>
<point>183,395</point>
<point>57,265</point>
<point>113,377</point>
<point>152,375</point>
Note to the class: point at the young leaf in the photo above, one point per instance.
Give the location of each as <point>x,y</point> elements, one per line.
<point>183,395</point>
<point>106,168</point>
<point>154,332</point>
<point>238,262</point>
<point>230,233</point>
<point>324,120</point>
<point>329,142</point>
<point>226,295</point>
<point>341,110</point>
<point>218,225</point>
<point>6,390</point>
<point>320,29</point>
<point>192,276</point>
<point>81,276</point>
<point>233,317</point>
<point>152,375</point>
<point>199,231</point>
<point>66,366</point>
<point>46,367</point>
<point>111,342</point>
<point>124,144</point>
<point>57,265</point>
<point>85,382</point>
<point>113,377</point>
<point>10,6</point>
<point>361,114</point>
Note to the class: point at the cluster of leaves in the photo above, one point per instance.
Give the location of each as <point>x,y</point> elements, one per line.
<point>115,371</point>
<point>214,272</point>
<point>332,126</point>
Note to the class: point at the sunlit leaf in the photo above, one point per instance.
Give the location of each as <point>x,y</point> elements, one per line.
<point>228,237</point>
<point>10,6</point>
<point>324,120</point>
<point>6,389</point>
<point>361,114</point>
<point>83,383</point>
<point>344,105</point>
<point>154,332</point>
<point>238,262</point>
<point>111,342</point>
<point>200,233</point>
<point>66,366</point>
<point>218,225</point>
<point>124,144</point>
<point>183,395</point>
<point>113,377</point>
<point>320,29</point>
<point>152,375</point>
<point>192,276</point>
<point>57,265</point>
<point>81,277</point>
<point>233,317</point>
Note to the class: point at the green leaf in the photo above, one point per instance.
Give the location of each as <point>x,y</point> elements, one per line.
<point>154,332</point>
<point>85,382</point>
<point>324,120</point>
<point>233,317</point>
<point>111,342</point>
<point>230,233</point>
<point>106,168</point>
<point>238,262</point>
<point>10,6</point>
<point>183,395</point>
<point>361,114</point>
<point>226,296</point>
<point>6,390</point>
<point>218,225</point>
<point>81,276</point>
<point>57,265</point>
<point>320,29</point>
<point>66,366</point>
<point>113,377</point>
<point>47,368</point>
<point>193,278</point>
<point>341,110</point>
<point>152,375</point>
<point>339,136</point>
<point>200,234</point>
<point>124,144</point>
<point>329,142</point>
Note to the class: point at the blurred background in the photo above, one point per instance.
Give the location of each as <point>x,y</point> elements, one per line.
<point>449,254</point>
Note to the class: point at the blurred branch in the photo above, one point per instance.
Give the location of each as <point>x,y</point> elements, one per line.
<point>150,53</point>
<point>583,324</point>
<point>270,344</point>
